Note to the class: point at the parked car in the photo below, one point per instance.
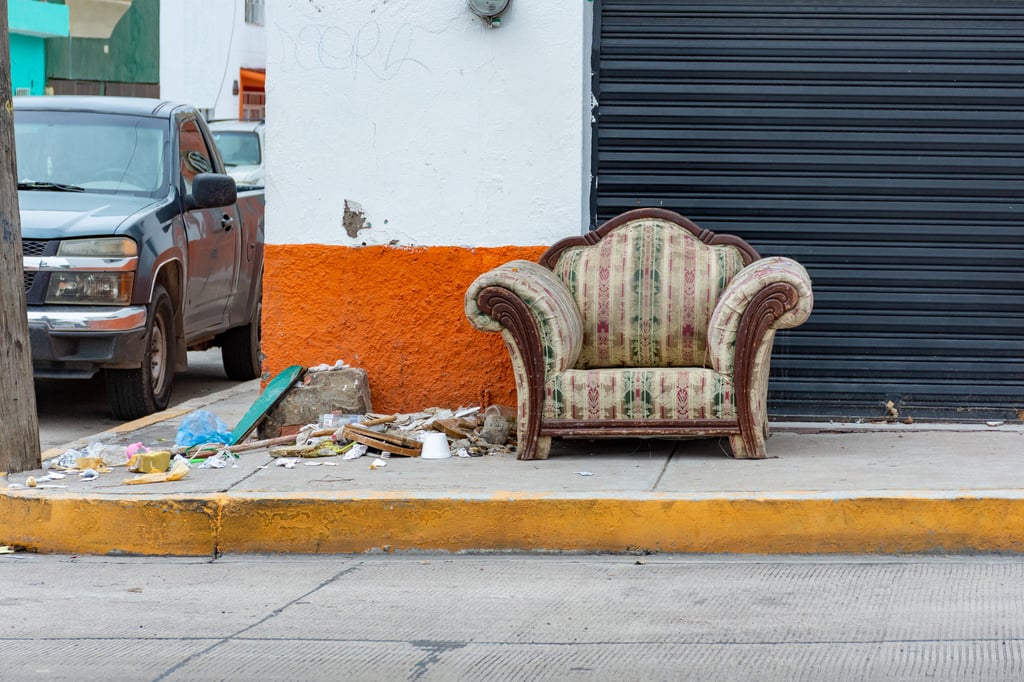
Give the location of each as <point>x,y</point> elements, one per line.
<point>241,145</point>
<point>137,245</point>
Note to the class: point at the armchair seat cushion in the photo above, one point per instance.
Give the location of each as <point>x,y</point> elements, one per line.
<point>675,393</point>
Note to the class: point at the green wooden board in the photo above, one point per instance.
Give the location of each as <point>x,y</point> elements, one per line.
<point>271,395</point>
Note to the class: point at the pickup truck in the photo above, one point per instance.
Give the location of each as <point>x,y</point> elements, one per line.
<point>137,246</point>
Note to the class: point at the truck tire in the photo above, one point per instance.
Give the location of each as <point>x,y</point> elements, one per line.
<point>134,393</point>
<point>240,348</point>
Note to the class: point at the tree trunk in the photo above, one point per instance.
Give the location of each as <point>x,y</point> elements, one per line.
<point>19,426</point>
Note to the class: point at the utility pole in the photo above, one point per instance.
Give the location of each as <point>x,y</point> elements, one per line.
<point>19,425</point>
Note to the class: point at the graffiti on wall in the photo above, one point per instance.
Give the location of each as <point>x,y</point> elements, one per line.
<point>373,50</point>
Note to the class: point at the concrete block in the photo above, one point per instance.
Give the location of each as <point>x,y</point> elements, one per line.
<point>338,390</point>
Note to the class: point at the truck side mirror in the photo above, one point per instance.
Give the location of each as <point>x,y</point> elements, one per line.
<point>210,190</point>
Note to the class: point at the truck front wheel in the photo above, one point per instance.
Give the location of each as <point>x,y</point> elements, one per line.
<point>134,393</point>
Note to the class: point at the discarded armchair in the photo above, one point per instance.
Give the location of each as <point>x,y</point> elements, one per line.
<point>648,326</point>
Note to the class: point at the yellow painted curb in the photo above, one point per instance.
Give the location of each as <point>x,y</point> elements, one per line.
<point>149,420</point>
<point>205,525</point>
<point>760,526</point>
<point>66,524</point>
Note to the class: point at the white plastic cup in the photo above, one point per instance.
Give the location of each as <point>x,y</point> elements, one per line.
<point>435,446</point>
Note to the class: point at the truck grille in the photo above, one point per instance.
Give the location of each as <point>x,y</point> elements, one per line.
<point>32,248</point>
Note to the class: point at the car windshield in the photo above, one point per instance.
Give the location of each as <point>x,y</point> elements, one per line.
<point>116,154</point>
<point>238,148</point>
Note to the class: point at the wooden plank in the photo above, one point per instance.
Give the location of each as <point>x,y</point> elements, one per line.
<point>398,445</point>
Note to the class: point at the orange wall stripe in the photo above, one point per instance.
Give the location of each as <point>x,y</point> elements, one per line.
<point>398,313</point>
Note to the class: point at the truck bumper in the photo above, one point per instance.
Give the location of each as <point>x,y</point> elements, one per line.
<point>77,342</point>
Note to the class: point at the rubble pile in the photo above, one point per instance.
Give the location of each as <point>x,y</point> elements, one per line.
<point>204,441</point>
<point>469,432</point>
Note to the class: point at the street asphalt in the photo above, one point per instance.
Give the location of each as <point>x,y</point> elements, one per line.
<point>512,617</point>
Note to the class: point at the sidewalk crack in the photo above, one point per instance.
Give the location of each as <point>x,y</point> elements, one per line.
<point>243,479</point>
<point>664,468</point>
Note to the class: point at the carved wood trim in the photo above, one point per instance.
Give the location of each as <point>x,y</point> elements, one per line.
<point>767,306</point>
<point>514,315</point>
<point>550,257</point>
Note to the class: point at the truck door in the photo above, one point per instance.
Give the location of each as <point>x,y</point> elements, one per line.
<point>214,241</point>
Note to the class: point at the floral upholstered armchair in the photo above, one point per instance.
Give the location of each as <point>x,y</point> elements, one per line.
<point>648,326</point>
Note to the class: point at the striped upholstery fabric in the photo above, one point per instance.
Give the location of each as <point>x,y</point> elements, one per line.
<point>558,320</point>
<point>645,294</point>
<point>639,393</point>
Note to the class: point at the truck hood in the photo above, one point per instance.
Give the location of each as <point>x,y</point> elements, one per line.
<point>59,215</point>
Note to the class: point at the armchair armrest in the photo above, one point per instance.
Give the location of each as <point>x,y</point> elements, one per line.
<point>769,294</point>
<point>497,299</point>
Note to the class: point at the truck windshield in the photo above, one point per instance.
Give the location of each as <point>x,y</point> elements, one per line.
<point>113,154</point>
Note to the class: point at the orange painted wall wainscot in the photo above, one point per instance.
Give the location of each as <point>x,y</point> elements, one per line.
<point>396,312</point>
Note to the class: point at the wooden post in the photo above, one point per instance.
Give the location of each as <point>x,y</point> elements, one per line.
<point>19,425</point>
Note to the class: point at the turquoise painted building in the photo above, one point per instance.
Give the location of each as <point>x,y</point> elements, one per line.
<point>31,23</point>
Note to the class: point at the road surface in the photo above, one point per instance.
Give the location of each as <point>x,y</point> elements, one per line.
<point>512,617</point>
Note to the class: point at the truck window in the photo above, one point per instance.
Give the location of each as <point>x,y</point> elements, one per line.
<point>194,155</point>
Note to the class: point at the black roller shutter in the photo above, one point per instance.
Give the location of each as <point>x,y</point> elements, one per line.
<point>880,145</point>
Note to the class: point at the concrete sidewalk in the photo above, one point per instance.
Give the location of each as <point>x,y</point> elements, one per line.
<point>828,488</point>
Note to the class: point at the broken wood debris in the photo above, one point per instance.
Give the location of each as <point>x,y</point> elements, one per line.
<point>397,434</point>
<point>471,432</point>
<point>326,448</point>
<point>399,445</point>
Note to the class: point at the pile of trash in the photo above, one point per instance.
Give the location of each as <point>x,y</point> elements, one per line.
<point>468,432</point>
<point>203,441</point>
<point>100,458</point>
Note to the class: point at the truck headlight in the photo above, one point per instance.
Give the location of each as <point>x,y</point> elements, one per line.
<point>100,247</point>
<point>96,271</point>
<point>93,288</point>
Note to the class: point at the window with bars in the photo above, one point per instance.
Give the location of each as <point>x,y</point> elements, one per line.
<point>254,12</point>
<point>254,106</point>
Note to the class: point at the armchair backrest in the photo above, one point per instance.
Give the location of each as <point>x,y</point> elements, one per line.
<point>646,287</point>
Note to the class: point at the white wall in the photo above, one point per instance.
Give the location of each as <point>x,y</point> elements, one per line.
<point>203,44</point>
<point>443,131</point>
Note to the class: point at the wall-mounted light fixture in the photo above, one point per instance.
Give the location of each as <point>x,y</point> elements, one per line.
<point>489,10</point>
<point>234,88</point>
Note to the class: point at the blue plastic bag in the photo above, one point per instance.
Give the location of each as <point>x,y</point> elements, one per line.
<point>202,427</point>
